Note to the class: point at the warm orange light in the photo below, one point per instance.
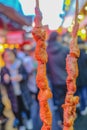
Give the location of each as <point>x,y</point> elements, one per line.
<point>1,48</point>
<point>5,45</point>
<point>11,46</point>
<point>86,7</point>
<point>17,46</point>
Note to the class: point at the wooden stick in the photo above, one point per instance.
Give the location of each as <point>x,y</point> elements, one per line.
<point>37,3</point>
<point>71,101</point>
<point>76,12</point>
<point>44,94</point>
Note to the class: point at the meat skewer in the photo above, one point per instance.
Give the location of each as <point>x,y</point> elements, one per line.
<point>72,69</point>
<point>39,35</point>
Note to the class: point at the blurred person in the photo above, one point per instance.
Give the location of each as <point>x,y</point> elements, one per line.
<point>30,65</point>
<point>3,118</point>
<point>57,73</point>
<point>82,78</point>
<point>66,39</point>
<point>20,54</point>
<point>14,78</point>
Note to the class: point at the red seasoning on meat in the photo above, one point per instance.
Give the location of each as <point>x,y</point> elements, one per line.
<point>39,35</point>
<point>72,69</point>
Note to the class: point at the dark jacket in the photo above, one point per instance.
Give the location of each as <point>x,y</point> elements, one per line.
<point>23,85</point>
<point>82,63</point>
<point>1,104</point>
<point>57,63</point>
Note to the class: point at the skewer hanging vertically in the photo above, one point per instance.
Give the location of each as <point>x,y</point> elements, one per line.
<point>37,3</point>
<point>72,69</point>
<point>39,35</point>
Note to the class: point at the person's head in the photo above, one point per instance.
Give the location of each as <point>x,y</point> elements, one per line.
<point>53,37</point>
<point>9,56</point>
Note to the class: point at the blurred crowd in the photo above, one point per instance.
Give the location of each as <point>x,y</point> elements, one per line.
<point>18,78</point>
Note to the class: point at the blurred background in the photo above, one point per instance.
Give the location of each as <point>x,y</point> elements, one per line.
<point>18,65</point>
